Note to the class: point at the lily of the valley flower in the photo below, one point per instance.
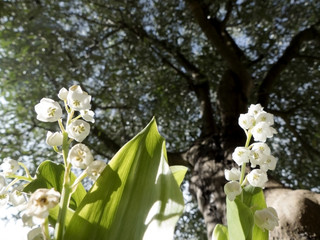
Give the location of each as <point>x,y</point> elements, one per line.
<point>95,169</point>
<point>241,155</point>
<point>63,94</point>
<point>78,130</point>
<point>80,156</point>
<point>87,115</point>
<point>3,182</point>
<point>266,218</point>
<point>257,178</point>
<point>27,220</point>
<point>4,197</point>
<point>17,198</point>
<point>41,201</point>
<point>35,234</point>
<point>255,109</point>
<point>233,174</point>
<point>78,99</point>
<point>246,121</point>
<point>232,189</point>
<point>269,163</point>
<point>9,166</point>
<point>54,139</point>
<point>261,131</point>
<point>48,110</point>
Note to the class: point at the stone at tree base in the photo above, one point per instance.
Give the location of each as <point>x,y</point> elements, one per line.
<point>298,211</point>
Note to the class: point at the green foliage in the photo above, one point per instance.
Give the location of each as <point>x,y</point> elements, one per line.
<point>50,175</point>
<point>136,196</point>
<point>220,232</point>
<point>240,215</point>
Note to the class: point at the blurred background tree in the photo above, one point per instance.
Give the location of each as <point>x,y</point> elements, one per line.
<point>194,65</point>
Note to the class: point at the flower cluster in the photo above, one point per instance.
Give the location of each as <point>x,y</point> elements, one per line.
<point>9,192</point>
<point>36,206</point>
<point>257,124</point>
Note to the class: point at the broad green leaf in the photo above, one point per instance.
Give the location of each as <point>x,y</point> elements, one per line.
<point>240,220</point>
<point>254,198</point>
<point>220,232</point>
<point>136,196</point>
<point>50,175</point>
<point>179,172</point>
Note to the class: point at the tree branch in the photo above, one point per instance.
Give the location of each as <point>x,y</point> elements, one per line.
<point>224,44</point>
<point>291,52</point>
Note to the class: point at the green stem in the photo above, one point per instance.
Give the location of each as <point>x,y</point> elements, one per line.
<point>45,229</point>
<point>17,177</point>
<point>79,179</point>
<point>25,169</point>
<point>65,193</point>
<point>244,165</point>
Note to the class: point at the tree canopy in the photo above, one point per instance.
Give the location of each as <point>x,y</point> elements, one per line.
<point>194,65</point>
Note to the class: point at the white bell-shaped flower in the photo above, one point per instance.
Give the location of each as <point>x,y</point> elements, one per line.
<point>232,189</point>
<point>257,178</point>
<point>3,182</point>
<point>241,155</point>
<point>41,201</point>
<point>48,110</point>
<point>17,198</point>
<point>35,234</point>
<point>4,198</point>
<point>95,169</point>
<point>233,174</point>
<point>261,131</point>
<point>63,94</point>
<point>80,156</point>
<point>54,139</point>
<point>260,152</point>
<point>246,121</point>
<point>87,115</point>
<point>78,99</point>
<point>265,117</point>
<point>269,163</point>
<point>9,166</point>
<point>255,109</point>
<point>78,130</point>
<point>27,220</point>
<point>266,218</point>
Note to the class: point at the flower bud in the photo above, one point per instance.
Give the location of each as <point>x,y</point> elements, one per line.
<point>54,139</point>
<point>63,94</point>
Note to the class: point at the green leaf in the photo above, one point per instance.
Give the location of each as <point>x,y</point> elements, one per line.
<point>136,196</point>
<point>178,173</point>
<point>240,220</point>
<point>254,198</point>
<point>220,232</point>
<point>50,175</point>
